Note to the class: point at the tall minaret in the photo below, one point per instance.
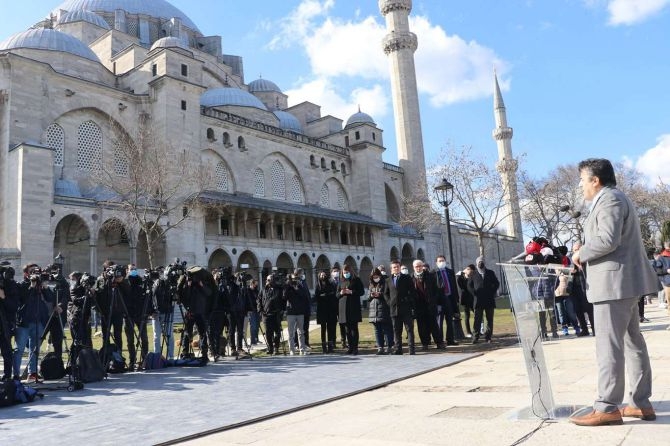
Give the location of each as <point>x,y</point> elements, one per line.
<point>400,45</point>
<point>507,164</point>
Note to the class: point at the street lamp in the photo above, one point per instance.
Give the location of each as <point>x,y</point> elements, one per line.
<point>444,192</point>
<point>59,261</point>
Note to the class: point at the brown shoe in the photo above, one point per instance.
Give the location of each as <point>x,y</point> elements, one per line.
<point>647,414</point>
<point>596,418</point>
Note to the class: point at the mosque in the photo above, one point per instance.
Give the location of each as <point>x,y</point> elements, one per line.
<point>298,189</point>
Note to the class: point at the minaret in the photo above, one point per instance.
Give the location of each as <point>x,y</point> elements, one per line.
<point>507,164</point>
<point>400,45</point>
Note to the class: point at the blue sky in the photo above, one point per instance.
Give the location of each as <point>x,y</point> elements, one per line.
<point>580,78</point>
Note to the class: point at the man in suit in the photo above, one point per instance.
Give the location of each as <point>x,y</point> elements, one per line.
<point>427,296</point>
<point>401,297</point>
<point>448,291</point>
<point>617,274</point>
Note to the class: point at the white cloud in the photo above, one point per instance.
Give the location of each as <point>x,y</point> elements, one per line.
<point>653,163</point>
<point>631,12</point>
<point>296,26</point>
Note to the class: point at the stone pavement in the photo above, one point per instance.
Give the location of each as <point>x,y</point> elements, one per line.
<point>473,402</point>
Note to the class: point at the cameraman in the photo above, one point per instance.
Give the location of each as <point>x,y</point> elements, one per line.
<point>35,304</point>
<point>270,306</point>
<point>197,299</point>
<point>79,309</point>
<point>109,291</point>
<point>9,301</point>
<point>163,313</point>
<point>218,319</point>
<point>61,291</point>
<point>295,313</point>
<point>237,309</point>
<point>137,310</point>
<point>303,290</point>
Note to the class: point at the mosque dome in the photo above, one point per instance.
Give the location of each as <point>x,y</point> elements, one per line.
<point>169,42</point>
<point>49,39</point>
<point>83,16</point>
<point>263,85</point>
<point>288,122</point>
<point>153,8</point>
<point>360,118</point>
<point>67,188</point>
<point>230,96</point>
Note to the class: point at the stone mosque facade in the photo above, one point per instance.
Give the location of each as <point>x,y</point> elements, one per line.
<point>300,189</point>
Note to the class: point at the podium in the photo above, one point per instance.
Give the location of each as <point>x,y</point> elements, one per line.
<point>524,283</point>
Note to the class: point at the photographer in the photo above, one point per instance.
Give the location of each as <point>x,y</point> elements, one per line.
<point>109,291</point>
<point>195,289</point>
<point>136,312</point>
<point>270,306</point>
<point>36,302</point>
<point>9,301</point>
<point>61,289</point>
<point>163,313</point>
<point>295,313</point>
<point>219,319</point>
<point>303,290</point>
<point>79,308</point>
<point>254,316</point>
<point>237,308</point>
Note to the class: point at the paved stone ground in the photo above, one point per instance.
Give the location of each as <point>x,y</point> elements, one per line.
<point>159,406</point>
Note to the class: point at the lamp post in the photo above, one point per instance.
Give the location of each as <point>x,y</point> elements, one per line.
<point>59,261</point>
<point>444,192</point>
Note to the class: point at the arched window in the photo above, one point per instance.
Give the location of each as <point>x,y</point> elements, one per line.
<point>333,166</point>
<point>324,199</point>
<point>312,161</point>
<point>226,139</point>
<point>222,177</point>
<point>89,146</point>
<point>343,168</point>
<point>121,165</point>
<point>241,144</point>
<point>323,163</point>
<point>278,181</point>
<point>210,134</point>
<point>55,139</point>
<point>259,183</point>
<point>295,190</point>
<point>342,200</point>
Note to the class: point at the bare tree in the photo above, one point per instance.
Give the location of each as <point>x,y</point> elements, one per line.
<point>150,181</point>
<point>479,193</point>
<point>416,210</point>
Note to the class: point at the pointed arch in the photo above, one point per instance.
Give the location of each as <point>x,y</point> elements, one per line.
<point>366,268</point>
<point>323,264</point>
<point>250,259</point>
<point>296,192</point>
<point>392,205</point>
<point>219,258</point>
<point>284,263</point>
<point>72,239</point>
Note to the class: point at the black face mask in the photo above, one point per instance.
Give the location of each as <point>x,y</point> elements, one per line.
<point>480,265</point>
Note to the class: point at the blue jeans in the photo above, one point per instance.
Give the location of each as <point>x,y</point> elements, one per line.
<point>163,320</point>
<point>566,312</point>
<point>27,336</point>
<point>383,334</point>
<point>254,324</point>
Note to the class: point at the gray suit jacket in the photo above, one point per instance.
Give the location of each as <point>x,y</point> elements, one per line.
<point>617,264</point>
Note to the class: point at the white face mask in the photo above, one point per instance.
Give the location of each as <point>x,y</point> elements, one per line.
<point>335,275</point>
<point>404,271</point>
<point>302,277</point>
<point>441,265</point>
<point>375,279</point>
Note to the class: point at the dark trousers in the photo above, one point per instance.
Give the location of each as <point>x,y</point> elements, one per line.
<point>115,322</point>
<point>640,307</point>
<point>426,323</point>
<point>129,328</point>
<point>343,333</point>
<point>582,307</point>
<point>6,350</point>
<point>216,324</point>
<point>55,331</point>
<point>466,310</point>
<point>328,331</point>
<point>305,328</point>
<point>479,313</point>
<point>352,336</point>
<point>398,322</point>
<point>236,330</point>
<point>197,320</point>
<point>80,329</point>
<point>272,324</point>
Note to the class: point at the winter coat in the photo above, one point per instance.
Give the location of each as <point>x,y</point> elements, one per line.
<point>401,297</point>
<point>349,305</point>
<point>326,302</point>
<point>35,306</point>
<point>466,297</point>
<point>378,308</point>
<point>484,288</point>
<point>295,301</point>
<point>270,300</point>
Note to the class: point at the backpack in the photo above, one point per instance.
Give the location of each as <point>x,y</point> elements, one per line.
<point>7,393</point>
<point>115,362</point>
<point>88,367</point>
<point>52,366</point>
<point>154,361</point>
<point>24,394</point>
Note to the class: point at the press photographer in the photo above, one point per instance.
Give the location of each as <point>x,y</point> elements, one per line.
<point>55,281</point>
<point>9,301</point>
<point>295,313</point>
<point>79,308</point>
<point>237,309</point>
<point>136,313</point>
<point>195,290</point>
<point>219,316</point>
<point>109,291</point>
<point>163,297</point>
<point>270,306</point>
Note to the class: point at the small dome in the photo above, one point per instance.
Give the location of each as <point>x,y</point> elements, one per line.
<point>169,42</point>
<point>263,85</point>
<point>51,40</point>
<point>230,96</point>
<point>67,188</point>
<point>360,118</point>
<point>288,122</point>
<point>83,16</point>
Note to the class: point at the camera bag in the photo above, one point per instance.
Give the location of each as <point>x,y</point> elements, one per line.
<point>51,366</point>
<point>89,367</point>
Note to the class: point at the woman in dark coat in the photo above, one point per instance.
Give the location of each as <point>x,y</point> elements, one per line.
<point>379,312</point>
<point>349,292</point>
<point>465,297</point>
<point>326,311</point>
<point>483,285</point>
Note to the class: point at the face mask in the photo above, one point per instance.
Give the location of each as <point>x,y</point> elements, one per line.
<point>302,277</point>
<point>335,275</point>
<point>441,265</point>
<point>376,279</point>
<point>403,271</point>
<point>383,273</point>
<point>347,275</point>
<point>480,265</point>
<point>133,273</point>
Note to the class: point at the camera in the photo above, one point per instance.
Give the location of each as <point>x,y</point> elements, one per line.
<point>87,280</point>
<point>6,273</point>
<point>174,271</point>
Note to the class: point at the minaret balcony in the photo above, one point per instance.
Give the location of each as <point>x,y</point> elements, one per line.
<point>386,6</point>
<point>400,41</point>
<point>502,133</point>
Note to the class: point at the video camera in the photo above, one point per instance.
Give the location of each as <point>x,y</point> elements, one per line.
<point>6,273</point>
<point>87,280</point>
<point>174,271</point>
<point>114,271</point>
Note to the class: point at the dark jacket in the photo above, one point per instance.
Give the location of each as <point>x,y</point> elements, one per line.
<point>197,298</point>
<point>35,306</point>
<point>136,300</point>
<point>10,304</point>
<point>484,288</point>
<point>661,266</point>
<point>427,294</point>
<point>236,298</point>
<point>221,302</point>
<point>349,305</point>
<point>271,301</point>
<point>378,308</point>
<point>326,301</point>
<point>109,294</point>
<point>79,307</point>
<point>295,300</point>
<point>466,297</point>
<point>162,300</point>
<point>444,298</point>
<point>401,297</point>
